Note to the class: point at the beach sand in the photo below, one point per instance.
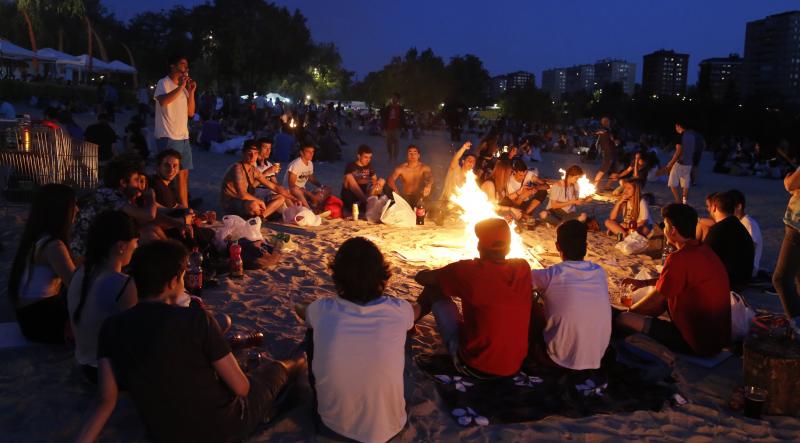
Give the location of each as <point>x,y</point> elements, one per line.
<point>44,397</point>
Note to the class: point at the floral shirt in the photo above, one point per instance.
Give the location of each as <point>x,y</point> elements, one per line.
<point>792,215</point>
<point>104,199</point>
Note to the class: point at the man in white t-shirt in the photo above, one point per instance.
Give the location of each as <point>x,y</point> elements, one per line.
<point>174,97</point>
<point>752,227</point>
<point>524,189</point>
<point>573,328</point>
<point>357,348</point>
<point>301,171</point>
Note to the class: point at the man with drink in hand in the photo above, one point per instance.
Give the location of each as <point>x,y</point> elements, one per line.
<point>175,104</point>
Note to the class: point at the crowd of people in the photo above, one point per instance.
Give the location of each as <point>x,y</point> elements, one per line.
<point>107,273</point>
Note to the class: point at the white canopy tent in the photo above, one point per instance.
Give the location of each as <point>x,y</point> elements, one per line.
<point>97,65</point>
<point>58,56</point>
<point>123,68</point>
<point>11,51</point>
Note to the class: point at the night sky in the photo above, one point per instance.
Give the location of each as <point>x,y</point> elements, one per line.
<point>520,35</point>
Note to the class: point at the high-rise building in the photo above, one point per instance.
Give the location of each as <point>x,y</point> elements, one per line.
<point>720,77</point>
<point>664,73</point>
<point>514,80</point>
<point>772,57</point>
<point>580,78</point>
<point>616,71</point>
<point>554,82</point>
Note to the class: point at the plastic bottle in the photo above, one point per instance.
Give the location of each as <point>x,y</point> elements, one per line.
<point>355,212</point>
<point>193,282</point>
<point>236,265</point>
<point>420,211</point>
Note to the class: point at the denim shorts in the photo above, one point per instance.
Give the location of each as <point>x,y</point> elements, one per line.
<point>182,146</point>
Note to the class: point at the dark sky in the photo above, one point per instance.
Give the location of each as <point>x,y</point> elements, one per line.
<point>527,35</point>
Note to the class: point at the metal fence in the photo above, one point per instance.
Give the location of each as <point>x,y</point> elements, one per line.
<point>43,154</point>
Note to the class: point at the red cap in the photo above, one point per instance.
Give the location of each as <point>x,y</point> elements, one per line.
<point>493,234</point>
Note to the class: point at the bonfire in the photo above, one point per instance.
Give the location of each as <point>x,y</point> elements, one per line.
<point>476,206</point>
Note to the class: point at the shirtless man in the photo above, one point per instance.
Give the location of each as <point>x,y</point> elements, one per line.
<point>415,176</point>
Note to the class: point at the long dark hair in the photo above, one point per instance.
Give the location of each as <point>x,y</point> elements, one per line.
<point>51,214</point>
<point>108,228</point>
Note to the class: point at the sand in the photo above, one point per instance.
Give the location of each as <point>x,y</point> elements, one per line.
<point>45,399</point>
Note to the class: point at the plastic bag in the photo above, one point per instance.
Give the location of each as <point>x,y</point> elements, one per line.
<point>334,205</point>
<point>633,244</point>
<point>399,213</point>
<point>741,317</point>
<point>235,227</point>
<point>301,216</point>
<point>375,207</point>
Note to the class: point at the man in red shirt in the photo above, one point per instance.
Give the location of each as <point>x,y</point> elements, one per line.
<point>490,337</point>
<point>693,289</point>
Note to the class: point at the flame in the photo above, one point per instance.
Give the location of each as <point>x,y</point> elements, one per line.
<point>292,124</point>
<point>478,207</point>
<point>585,187</point>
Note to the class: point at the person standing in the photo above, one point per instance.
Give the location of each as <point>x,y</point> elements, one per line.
<point>392,121</point>
<point>680,166</point>
<point>609,150</point>
<point>786,277</point>
<point>174,97</point>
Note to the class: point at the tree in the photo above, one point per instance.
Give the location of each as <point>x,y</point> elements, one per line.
<point>32,10</point>
<point>528,104</point>
<point>468,81</point>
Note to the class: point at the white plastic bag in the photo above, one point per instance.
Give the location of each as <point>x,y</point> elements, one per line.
<point>741,316</point>
<point>375,207</point>
<point>399,213</point>
<point>301,216</point>
<point>633,244</point>
<point>235,228</point>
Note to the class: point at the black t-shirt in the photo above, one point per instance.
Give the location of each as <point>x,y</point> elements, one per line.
<point>362,174</point>
<point>104,137</point>
<point>734,246</point>
<point>163,355</point>
<point>166,195</point>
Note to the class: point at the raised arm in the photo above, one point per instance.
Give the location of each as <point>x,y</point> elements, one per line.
<point>169,97</point>
<point>148,212</point>
<point>191,88</point>
<point>458,154</point>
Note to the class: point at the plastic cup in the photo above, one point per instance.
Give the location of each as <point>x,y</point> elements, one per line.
<point>754,398</point>
<point>626,300</point>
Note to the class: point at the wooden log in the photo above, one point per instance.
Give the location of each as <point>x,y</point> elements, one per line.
<point>774,364</point>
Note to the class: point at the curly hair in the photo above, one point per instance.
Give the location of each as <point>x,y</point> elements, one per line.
<point>359,271</point>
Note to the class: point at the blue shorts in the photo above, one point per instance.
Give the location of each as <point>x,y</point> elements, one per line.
<point>182,146</point>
